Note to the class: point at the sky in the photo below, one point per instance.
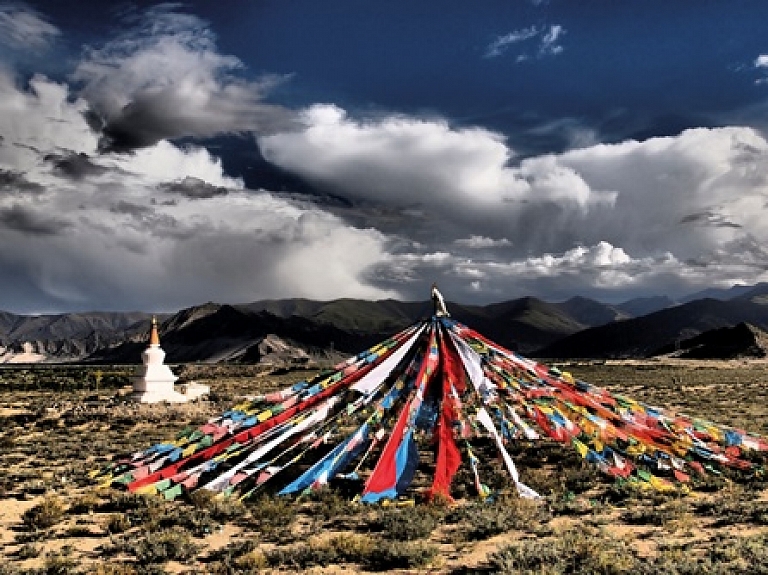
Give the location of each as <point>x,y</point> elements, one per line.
<point>155,156</point>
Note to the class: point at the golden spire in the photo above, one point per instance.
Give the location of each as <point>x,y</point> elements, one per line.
<point>154,339</point>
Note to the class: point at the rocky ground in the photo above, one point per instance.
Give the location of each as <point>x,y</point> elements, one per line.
<point>56,427</point>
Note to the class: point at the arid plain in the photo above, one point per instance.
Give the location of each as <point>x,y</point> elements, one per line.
<point>59,423</point>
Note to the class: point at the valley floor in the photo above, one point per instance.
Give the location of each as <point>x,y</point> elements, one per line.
<point>54,520</point>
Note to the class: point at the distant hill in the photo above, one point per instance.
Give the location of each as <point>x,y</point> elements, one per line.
<point>644,305</point>
<point>215,333</point>
<point>740,341</point>
<point>348,314</point>
<point>642,336</point>
<point>758,294</point>
<point>66,335</point>
<point>718,293</point>
<point>218,332</point>
<point>301,328</point>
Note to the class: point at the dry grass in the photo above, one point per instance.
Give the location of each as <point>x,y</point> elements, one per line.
<point>54,520</point>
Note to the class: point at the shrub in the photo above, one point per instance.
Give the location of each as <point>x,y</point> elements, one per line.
<point>59,564</point>
<point>117,523</point>
<point>251,562</point>
<point>328,504</point>
<point>45,514</point>
<point>406,523</point>
<point>343,548</point>
<point>162,546</point>
<point>400,555</point>
<point>137,509</point>
<point>220,509</point>
<point>28,551</point>
<point>483,520</point>
<point>85,503</point>
<point>272,516</point>
<point>659,516</point>
<point>197,521</point>
<point>572,552</point>
<point>114,569</point>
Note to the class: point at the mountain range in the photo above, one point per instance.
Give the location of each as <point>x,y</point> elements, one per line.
<point>298,330</point>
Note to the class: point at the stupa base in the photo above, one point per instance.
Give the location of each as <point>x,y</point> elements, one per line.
<point>156,397</point>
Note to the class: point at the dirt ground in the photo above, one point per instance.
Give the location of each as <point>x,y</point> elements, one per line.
<point>55,520</point>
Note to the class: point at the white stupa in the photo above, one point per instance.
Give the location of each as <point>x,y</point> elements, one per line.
<point>153,382</point>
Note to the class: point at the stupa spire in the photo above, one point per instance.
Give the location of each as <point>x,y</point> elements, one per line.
<point>154,337</point>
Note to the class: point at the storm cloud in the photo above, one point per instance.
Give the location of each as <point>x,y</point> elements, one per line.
<point>17,218</point>
<point>193,188</point>
<point>163,78</point>
<point>108,237</point>
<point>76,166</point>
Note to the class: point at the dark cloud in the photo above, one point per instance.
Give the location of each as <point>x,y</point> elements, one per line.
<point>147,221</point>
<point>194,188</point>
<point>164,79</point>
<point>24,220</point>
<point>709,218</point>
<point>128,208</point>
<point>74,166</point>
<point>150,118</point>
<point>11,181</point>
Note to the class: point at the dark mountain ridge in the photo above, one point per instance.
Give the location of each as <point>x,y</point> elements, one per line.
<point>578,327</point>
<point>642,336</point>
<point>68,335</point>
<point>740,341</point>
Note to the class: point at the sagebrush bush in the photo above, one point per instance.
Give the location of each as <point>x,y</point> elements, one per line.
<point>85,503</point>
<point>114,569</point>
<point>161,546</point>
<point>483,520</point>
<point>345,548</point>
<point>328,504</point>
<point>272,516</point>
<point>45,514</point>
<point>573,551</point>
<point>400,555</point>
<point>662,515</point>
<point>197,521</point>
<point>220,509</point>
<point>406,523</point>
<point>59,564</point>
<point>117,523</point>
<point>27,551</point>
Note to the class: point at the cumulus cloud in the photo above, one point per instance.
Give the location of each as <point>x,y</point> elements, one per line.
<point>161,228</point>
<point>39,118</point>
<point>460,175</point>
<point>646,208</point>
<point>547,42</point>
<point>22,28</point>
<point>477,242</point>
<point>164,78</point>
